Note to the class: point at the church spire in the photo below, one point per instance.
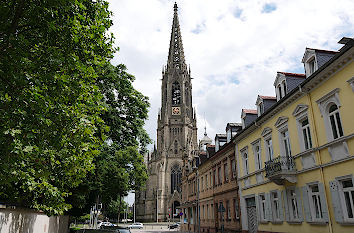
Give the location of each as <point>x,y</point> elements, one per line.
<point>176,54</point>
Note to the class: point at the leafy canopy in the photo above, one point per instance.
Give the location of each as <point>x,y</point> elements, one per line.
<point>57,106</point>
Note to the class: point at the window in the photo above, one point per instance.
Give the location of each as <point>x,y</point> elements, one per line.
<point>211,179</point>
<point>275,206</point>
<point>214,178</point>
<point>176,175</point>
<point>335,121</point>
<point>176,147</point>
<point>257,156</point>
<point>294,213</point>
<point>202,184</point>
<point>284,87</point>
<point>221,206</point>
<point>261,108</point>
<point>315,202</point>
<point>262,201</point>
<point>348,192</point>
<point>233,168</point>
<point>212,211</point>
<point>269,146</point>
<point>245,163</point>
<point>206,181</point>
<point>294,204</point>
<point>280,92</point>
<point>286,142</point>
<point>203,213</point>
<point>176,93</point>
<point>236,208</point>
<point>226,172</point>
<point>305,127</point>
<point>219,176</point>
<point>207,212</point>
<point>228,210</point>
<point>311,65</point>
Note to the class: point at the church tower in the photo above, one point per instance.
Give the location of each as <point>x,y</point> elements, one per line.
<point>176,136</point>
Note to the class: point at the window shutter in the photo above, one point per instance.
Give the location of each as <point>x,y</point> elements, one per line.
<point>338,213</point>
<point>258,208</point>
<point>285,194</point>
<point>299,204</point>
<point>268,207</point>
<point>281,213</point>
<point>323,202</point>
<point>305,198</point>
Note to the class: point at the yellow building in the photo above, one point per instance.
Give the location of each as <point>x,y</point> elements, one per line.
<point>296,158</point>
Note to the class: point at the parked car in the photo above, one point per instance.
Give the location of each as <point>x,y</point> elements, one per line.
<point>136,225</point>
<point>106,224</point>
<point>174,225</point>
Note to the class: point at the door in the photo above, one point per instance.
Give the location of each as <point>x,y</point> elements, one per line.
<point>251,215</point>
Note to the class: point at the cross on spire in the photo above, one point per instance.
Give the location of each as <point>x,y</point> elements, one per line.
<point>176,53</point>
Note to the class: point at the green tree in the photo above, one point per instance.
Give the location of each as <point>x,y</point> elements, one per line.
<point>52,53</point>
<point>119,166</point>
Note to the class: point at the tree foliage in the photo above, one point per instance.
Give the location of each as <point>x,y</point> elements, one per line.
<point>57,105</point>
<point>120,166</point>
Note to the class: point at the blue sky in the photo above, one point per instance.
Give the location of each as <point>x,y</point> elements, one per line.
<point>234,48</point>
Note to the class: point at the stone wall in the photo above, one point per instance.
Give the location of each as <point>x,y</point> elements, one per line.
<point>30,221</point>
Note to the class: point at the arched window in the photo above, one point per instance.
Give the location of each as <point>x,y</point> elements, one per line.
<point>334,119</point>
<point>284,88</point>
<point>176,93</point>
<point>280,92</point>
<point>176,176</point>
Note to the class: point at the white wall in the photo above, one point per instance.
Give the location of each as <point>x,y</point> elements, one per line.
<point>30,221</point>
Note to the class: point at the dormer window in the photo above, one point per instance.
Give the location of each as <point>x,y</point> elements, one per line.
<point>311,65</point>
<point>261,108</point>
<point>283,84</point>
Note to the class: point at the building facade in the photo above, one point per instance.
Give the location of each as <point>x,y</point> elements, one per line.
<point>295,160</point>
<point>210,199</point>
<point>176,137</point>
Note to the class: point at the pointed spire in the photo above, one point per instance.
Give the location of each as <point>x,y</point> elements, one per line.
<point>176,53</point>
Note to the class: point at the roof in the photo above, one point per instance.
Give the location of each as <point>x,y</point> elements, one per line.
<point>249,111</point>
<point>220,135</point>
<point>292,74</point>
<point>267,97</point>
<point>349,44</point>
<point>234,124</point>
<point>323,50</point>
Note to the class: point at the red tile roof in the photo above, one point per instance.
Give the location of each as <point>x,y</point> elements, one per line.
<point>250,111</point>
<point>293,74</point>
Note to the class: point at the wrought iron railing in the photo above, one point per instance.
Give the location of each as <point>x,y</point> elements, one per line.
<point>279,164</point>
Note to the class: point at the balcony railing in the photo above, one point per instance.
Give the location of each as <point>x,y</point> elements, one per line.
<point>280,169</point>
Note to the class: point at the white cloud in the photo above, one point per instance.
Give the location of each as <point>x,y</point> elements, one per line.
<point>233,47</point>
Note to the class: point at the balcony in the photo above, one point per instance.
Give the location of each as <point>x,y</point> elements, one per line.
<point>281,169</point>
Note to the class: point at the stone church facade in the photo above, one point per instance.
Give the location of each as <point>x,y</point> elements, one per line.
<point>176,137</point>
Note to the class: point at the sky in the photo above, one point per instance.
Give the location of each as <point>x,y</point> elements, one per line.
<point>234,48</point>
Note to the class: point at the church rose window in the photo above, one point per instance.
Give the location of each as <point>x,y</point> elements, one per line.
<point>176,176</point>
<point>176,93</point>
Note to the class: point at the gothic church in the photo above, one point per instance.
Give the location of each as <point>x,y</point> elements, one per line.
<point>176,137</point>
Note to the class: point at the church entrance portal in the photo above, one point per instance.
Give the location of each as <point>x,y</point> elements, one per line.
<point>175,211</point>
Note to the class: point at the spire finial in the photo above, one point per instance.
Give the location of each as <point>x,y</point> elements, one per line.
<point>205,133</point>
<point>175,7</point>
